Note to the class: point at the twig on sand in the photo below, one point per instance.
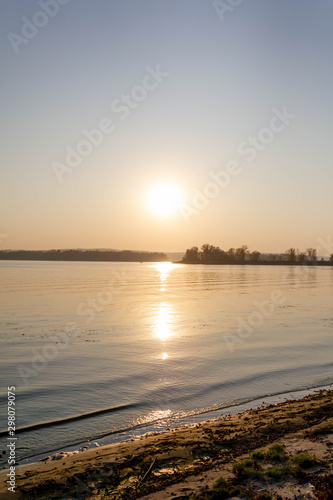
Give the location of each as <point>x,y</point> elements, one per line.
<point>148,471</point>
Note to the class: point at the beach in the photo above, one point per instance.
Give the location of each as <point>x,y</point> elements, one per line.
<point>185,462</point>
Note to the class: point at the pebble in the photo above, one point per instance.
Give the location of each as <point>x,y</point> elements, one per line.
<point>310,496</point>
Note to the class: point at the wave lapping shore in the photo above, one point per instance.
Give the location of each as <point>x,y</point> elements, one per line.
<point>281,451</point>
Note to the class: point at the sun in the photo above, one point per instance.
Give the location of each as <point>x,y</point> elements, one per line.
<point>164,199</point>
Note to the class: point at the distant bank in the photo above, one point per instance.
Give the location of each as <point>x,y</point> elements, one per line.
<point>84,255</point>
<point>207,255</point>
<point>211,255</point>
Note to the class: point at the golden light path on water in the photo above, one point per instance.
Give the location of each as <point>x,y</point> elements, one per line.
<point>163,329</point>
<point>163,322</point>
<point>164,316</point>
<point>164,269</point>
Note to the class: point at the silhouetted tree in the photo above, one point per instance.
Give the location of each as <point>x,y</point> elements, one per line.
<point>206,253</point>
<point>255,256</point>
<point>231,253</point>
<point>312,255</point>
<point>301,258</point>
<point>291,254</point>
<point>241,253</point>
<point>192,256</point>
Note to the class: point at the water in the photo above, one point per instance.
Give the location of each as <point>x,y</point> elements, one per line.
<point>154,344</point>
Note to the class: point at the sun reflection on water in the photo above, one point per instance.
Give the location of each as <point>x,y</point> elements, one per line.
<point>164,269</point>
<point>163,321</point>
<point>155,415</point>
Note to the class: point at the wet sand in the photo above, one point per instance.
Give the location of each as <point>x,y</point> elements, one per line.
<point>185,462</point>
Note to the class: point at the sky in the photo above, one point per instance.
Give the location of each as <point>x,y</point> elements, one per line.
<point>162,124</point>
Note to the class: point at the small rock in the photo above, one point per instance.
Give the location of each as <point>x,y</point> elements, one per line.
<point>310,496</point>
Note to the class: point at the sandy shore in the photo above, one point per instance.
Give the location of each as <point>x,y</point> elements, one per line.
<point>185,463</point>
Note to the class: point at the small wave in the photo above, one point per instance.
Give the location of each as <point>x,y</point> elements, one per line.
<point>73,418</point>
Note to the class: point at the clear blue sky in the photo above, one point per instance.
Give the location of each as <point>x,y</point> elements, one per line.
<point>225,78</point>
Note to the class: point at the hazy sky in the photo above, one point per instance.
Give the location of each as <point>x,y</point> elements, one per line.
<point>180,88</point>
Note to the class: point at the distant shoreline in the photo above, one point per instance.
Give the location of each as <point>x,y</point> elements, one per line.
<point>148,260</point>
<point>209,256</point>
<point>261,263</point>
<point>142,261</point>
<point>83,255</point>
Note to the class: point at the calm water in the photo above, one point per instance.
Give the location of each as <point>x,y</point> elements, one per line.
<point>155,344</point>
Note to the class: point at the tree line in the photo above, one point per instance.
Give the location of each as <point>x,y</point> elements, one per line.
<point>209,254</point>
<point>84,255</point>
